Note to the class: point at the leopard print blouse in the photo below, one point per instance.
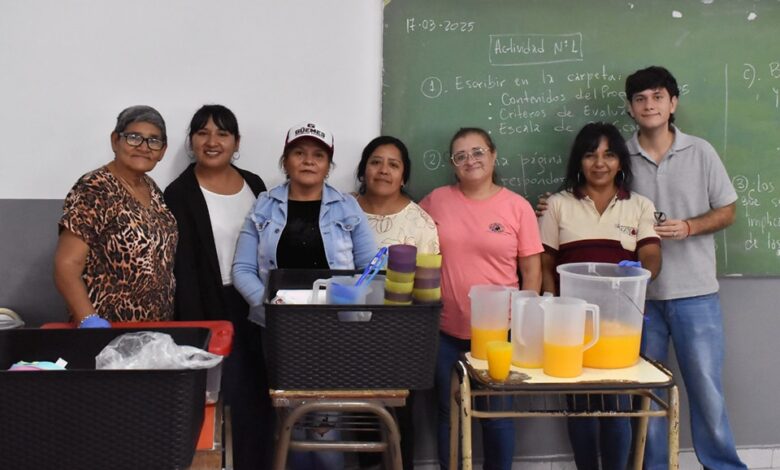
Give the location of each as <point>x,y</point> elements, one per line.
<point>129,267</point>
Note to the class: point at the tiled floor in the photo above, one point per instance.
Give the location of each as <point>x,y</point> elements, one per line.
<point>756,458</point>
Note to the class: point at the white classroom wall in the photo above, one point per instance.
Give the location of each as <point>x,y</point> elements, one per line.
<point>69,67</point>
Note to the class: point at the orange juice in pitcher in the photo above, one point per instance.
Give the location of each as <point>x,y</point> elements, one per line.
<point>617,347</point>
<point>481,337</point>
<point>620,293</point>
<point>562,360</point>
<point>564,334</point>
<point>489,317</point>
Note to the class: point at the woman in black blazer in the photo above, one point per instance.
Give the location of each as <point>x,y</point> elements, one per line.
<point>210,200</point>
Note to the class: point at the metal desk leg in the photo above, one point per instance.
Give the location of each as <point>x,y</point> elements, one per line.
<point>641,435</point>
<point>455,404</point>
<point>674,428</point>
<point>392,444</point>
<point>284,433</point>
<point>465,416</point>
<point>228,423</point>
<point>392,436</point>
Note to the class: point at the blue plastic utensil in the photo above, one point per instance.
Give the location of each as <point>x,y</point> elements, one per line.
<point>373,267</point>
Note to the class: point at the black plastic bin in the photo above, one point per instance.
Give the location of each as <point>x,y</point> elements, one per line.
<point>83,418</point>
<point>332,347</point>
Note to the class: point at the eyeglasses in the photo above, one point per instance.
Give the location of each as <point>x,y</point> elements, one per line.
<point>136,140</point>
<point>477,153</point>
<point>660,217</point>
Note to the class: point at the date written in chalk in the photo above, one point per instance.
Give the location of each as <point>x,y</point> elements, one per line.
<point>429,25</point>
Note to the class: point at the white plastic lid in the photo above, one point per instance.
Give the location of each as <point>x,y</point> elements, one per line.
<point>9,319</point>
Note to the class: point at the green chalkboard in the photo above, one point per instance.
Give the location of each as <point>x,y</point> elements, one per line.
<point>532,72</point>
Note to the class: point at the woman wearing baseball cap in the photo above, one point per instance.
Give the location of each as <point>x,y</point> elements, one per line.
<point>303,223</point>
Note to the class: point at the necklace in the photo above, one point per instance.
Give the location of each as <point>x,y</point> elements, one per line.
<point>130,187</point>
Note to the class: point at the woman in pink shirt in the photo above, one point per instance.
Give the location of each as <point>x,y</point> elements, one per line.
<point>487,235</point>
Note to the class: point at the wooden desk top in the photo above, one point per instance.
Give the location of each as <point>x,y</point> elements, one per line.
<point>644,373</point>
<point>284,398</point>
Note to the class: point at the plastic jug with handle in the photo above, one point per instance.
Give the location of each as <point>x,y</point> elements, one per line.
<point>489,317</point>
<point>341,290</point>
<point>527,328</point>
<point>564,334</point>
<point>619,291</point>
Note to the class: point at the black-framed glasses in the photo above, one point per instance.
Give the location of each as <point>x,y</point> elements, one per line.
<point>136,140</point>
<point>660,217</point>
<point>477,153</point>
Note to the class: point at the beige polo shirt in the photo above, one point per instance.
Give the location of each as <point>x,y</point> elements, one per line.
<point>574,231</point>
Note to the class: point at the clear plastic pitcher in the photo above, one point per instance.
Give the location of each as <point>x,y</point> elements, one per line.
<point>620,294</point>
<point>565,334</point>
<point>341,290</point>
<point>489,317</point>
<point>527,328</point>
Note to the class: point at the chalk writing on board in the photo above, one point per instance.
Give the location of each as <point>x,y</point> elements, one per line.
<point>430,25</point>
<point>534,49</point>
<point>763,221</point>
<point>754,76</point>
<point>431,87</point>
<point>533,73</point>
<point>750,74</point>
<point>432,160</point>
<point>517,105</point>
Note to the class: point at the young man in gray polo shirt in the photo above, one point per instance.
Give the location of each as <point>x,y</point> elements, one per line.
<point>686,180</point>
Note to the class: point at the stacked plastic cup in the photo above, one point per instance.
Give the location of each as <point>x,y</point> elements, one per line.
<point>427,279</point>
<point>401,264</point>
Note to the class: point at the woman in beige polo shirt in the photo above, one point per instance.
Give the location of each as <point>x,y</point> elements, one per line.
<point>596,217</point>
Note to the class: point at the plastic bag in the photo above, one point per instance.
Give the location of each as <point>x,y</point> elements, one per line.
<point>152,350</point>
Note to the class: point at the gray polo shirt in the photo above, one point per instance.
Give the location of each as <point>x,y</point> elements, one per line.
<point>690,181</point>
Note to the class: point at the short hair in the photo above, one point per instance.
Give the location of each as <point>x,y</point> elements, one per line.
<point>371,148</point>
<point>140,113</point>
<point>223,118</point>
<point>464,131</point>
<point>651,78</point>
<point>588,140</point>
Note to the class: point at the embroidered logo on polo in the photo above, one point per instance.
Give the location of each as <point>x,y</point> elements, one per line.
<point>495,227</point>
<point>627,230</point>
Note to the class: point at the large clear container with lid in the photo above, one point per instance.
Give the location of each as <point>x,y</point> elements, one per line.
<point>620,294</point>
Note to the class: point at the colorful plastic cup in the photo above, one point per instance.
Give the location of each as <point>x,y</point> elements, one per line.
<point>398,287</point>
<point>426,295</point>
<point>422,283</point>
<point>499,357</point>
<point>396,276</point>
<point>402,258</point>
<point>428,260</point>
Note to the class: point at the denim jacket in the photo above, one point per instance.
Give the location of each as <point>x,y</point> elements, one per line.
<point>348,240</point>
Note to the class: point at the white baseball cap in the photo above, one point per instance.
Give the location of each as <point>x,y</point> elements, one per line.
<point>312,130</point>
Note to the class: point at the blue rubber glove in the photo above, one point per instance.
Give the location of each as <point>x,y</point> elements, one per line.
<point>630,264</point>
<point>94,321</point>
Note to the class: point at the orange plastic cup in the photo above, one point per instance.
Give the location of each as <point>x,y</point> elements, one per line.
<point>499,356</point>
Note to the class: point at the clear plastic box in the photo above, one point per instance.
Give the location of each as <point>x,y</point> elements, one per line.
<point>213,380</point>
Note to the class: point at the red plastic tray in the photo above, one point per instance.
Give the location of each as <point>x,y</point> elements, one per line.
<point>220,342</point>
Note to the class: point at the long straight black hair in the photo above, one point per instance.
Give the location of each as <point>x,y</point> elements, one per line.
<point>588,140</point>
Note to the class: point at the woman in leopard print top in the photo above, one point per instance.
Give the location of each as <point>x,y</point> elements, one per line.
<point>117,238</point>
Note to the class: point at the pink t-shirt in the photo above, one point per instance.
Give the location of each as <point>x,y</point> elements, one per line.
<point>480,243</point>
